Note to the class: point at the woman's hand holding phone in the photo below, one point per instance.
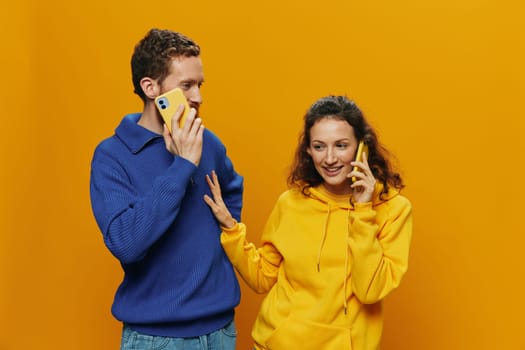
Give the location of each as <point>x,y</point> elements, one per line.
<point>363,180</point>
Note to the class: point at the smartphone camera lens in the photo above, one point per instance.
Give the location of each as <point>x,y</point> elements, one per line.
<point>162,103</point>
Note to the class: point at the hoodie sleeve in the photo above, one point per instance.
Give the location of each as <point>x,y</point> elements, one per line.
<point>379,248</point>
<point>258,267</point>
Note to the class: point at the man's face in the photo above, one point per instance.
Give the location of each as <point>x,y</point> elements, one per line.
<point>186,73</point>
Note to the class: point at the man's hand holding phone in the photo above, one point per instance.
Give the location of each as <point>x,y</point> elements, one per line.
<point>186,140</point>
<point>168,103</point>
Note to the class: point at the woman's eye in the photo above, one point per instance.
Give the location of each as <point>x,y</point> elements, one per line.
<point>317,147</point>
<point>342,145</point>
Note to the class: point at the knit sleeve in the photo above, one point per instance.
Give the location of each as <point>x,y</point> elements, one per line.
<point>130,222</point>
<point>379,248</point>
<point>232,185</point>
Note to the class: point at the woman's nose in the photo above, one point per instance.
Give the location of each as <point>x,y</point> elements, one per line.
<point>330,156</point>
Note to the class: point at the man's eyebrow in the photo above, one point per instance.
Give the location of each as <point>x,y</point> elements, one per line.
<point>192,81</point>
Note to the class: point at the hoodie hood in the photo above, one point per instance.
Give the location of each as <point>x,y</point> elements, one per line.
<point>343,201</point>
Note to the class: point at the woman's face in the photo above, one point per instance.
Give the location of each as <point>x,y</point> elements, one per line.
<point>332,147</point>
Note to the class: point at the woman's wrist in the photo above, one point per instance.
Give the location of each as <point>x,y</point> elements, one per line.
<point>229,224</point>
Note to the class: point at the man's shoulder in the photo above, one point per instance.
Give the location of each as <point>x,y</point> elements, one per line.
<point>208,134</point>
<point>112,144</point>
<point>212,140</point>
<point>108,151</point>
<point>128,135</point>
<point>109,144</point>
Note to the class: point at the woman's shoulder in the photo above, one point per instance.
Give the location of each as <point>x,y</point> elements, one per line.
<point>291,194</point>
<point>394,201</point>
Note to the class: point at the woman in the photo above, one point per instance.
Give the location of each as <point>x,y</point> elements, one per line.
<point>332,248</point>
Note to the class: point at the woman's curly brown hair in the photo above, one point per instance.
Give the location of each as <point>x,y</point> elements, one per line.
<point>303,173</point>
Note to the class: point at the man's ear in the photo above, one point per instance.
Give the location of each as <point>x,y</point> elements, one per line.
<point>150,87</point>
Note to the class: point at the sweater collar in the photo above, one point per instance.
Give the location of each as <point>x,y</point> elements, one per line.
<point>134,136</point>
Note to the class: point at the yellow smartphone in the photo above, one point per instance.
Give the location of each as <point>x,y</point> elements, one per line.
<point>362,147</point>
<point>167,104</point>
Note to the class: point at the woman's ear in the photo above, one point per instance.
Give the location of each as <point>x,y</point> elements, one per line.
<point>150,87</point>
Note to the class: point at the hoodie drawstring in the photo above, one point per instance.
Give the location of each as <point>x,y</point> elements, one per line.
<point>321,245</point>
<point>323,239</point>
<point>346,262</point>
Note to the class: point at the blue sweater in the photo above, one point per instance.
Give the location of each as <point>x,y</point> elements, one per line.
<point>149,205</point>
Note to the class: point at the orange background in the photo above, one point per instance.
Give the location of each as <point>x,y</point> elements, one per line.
<point>442,81</point>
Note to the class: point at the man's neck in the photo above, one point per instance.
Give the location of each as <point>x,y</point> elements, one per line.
<point>150,119</point>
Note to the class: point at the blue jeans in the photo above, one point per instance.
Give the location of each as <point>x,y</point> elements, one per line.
<point>222,339</point>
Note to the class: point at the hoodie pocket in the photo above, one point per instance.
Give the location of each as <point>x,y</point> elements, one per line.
<point>295,333</point>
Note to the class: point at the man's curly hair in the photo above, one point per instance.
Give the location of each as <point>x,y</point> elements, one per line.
<point>153,55</point>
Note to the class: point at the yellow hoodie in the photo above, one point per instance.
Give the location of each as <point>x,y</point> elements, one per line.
<point>326,266</point>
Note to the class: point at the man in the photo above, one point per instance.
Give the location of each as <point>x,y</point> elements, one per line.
<point>147,187</point>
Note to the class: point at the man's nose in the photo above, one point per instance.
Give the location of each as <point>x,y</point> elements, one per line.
<point>194,96</point>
